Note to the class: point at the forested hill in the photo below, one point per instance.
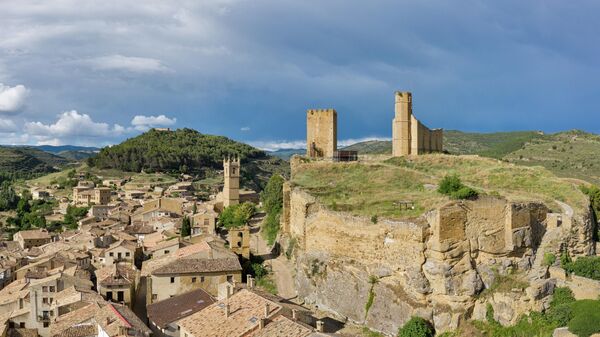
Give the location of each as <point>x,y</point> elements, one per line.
<point>24,162</point>
<point>187,151</point>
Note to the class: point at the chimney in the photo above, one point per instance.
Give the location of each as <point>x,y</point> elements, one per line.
<point>228,292</point>
<point>267,310</point>
<point>227,309</point>
<point>261,323</point>
<point>294,314</point>
<point>320,326</point>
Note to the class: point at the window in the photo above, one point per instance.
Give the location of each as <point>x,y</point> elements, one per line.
<point>201,278</point>
<point>229,278</point>
<point>109,296</point>
<point>45,300</point>
<point>193,280</point>
<point>111,254</point>
<point>46,324</point>
<point>22,325</point>
<point>127,254</point>
<point>51,289</point>
<point>44,289</point>
<point>120,296</point>
<point>154,297</point>
<point>166,251</point>
<point>172,280</point>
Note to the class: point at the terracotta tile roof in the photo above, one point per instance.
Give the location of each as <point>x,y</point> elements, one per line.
<point>186,266</point>
<point>22,333</point>
<point>84,330</point>
<point>114,316</point>
<point>118,274</point>
<point>34,234</point>
<point>175,308</point>
<point>82,315</point>
<point>245,311</point>
<point>282,326</point>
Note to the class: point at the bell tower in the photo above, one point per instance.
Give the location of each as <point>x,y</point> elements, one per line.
<point>231,188</point>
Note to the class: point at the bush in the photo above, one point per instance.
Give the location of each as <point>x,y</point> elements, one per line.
<point>586,318</point>
<point>416,327</point>
<point>549,259</point>
<point>453,187</point>
<point>585,266</point>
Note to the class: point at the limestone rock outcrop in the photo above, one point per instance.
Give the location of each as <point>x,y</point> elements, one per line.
<point>435,266</point>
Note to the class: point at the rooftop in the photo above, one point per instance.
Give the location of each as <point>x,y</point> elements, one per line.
<point>175,308</point>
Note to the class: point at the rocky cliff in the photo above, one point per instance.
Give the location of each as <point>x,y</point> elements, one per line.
<point>445,265</point>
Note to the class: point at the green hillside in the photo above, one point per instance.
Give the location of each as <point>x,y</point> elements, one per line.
<point>570,154</point>
<point>188,151</point>
<point>28,162</point>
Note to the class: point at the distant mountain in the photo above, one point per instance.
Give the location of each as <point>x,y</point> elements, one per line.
<point>77,155</point>
<point>286,154</point>
<point>28,161</point>
<point>188,151</point>
<point>65,148</point>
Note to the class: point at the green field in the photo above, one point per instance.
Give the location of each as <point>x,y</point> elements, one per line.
<point>378,188</point>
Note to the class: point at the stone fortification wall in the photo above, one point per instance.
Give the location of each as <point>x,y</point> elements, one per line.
<point>433,266</point>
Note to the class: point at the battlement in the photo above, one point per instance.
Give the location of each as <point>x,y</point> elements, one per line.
<point>403,96</point>
<point>326,111</point>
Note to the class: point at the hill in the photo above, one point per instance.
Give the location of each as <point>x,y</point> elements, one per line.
<point>76,155</point>
<point>27,161</point>
<point>375,188</point>
<point>567,154</point>
<point>188,151</point>
<point>285,154</point>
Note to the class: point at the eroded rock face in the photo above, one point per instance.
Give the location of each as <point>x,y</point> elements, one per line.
<point>433,266</point>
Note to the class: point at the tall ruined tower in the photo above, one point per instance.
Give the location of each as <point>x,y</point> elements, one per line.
<point>231,188</point>
<point>401,125</point>
<point>321,133</point>
<point>409,135</point>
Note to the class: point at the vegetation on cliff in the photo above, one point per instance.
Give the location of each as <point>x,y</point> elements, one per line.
<point>416,327</point>
<point>272,200</point>
<point>386,188</point>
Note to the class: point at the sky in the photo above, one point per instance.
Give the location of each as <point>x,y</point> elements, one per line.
<point>94,73</point>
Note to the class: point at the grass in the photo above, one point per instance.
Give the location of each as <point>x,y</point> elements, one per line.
<point>369,189</point>
<point>267,284</point>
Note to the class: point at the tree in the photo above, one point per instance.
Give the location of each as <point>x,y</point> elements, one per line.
<point>237,215</point>
<point>186,228</point>
<point>8,198</point>
<point>416,327</point>
<point>272,195</point>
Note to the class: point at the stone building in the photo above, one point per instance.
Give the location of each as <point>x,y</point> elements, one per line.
<point>239,241</point>
<point>87,196</point>
<point>409,135</point>
<point>231,188</point>
<point>32,238</point>
<point>321,133</point>
<point>117,282</point>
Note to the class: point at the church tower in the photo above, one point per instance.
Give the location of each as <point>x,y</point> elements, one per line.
<point>231,188</point>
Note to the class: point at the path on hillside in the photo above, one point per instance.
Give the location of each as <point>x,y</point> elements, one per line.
<point>280,266</point>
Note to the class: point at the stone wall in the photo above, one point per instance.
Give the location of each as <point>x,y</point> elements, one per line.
<point>433,266</point>
<point>583,288</point>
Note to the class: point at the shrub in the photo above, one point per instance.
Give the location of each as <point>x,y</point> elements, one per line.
<point>453,187</point>
<point>416,327</point>
<point>374,219</point>
<point>585,266</point>
<point>586,318</point>
<point>549,259</point>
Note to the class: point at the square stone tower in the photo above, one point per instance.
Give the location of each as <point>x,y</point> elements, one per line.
<point>401,125</point>
<point>321,133</point>
<point>231,188</point>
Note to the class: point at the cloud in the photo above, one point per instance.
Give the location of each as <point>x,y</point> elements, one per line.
<point>245,128</point>
<point>143,123</point>
<point>71,125</point>
<point>6,125</point>
<point>128,63</point>
<point>301,144</point>
<point>12,99</point>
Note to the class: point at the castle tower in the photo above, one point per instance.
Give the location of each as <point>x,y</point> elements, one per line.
<point>401,125</point>
<point>231,188</point>
<point>321,133</point>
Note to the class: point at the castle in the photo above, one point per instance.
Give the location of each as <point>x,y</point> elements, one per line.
<point>409,135</point>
